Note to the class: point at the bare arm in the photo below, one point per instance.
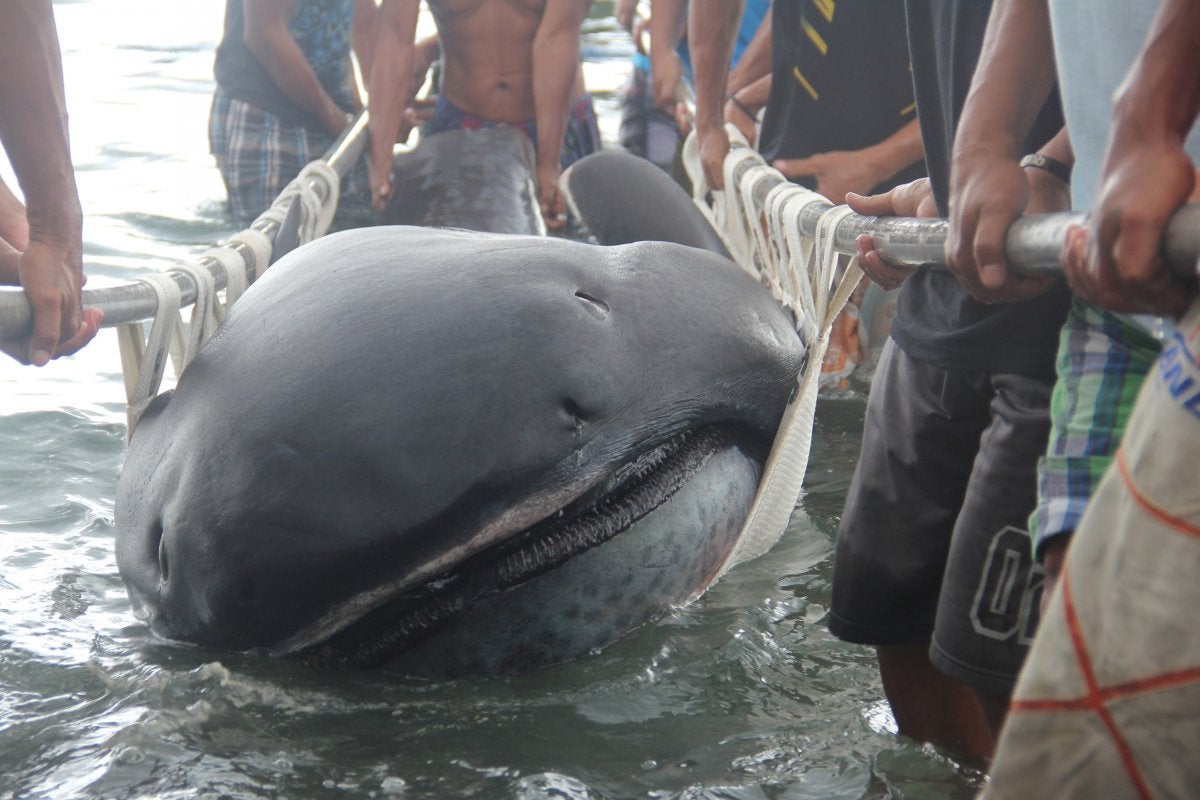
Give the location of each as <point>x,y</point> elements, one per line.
<point>988,190</point>
<point>841,172</point>
<point>749,84</point>
<point>366,18</point>
<point>390,89</point>
<point>755,62</point>
<point>33,129</point>
<point>1048,192</point>
<point>14,228</point>
<point>667,21</point>
<point>555,65</point>
<point>743,106</point>
<point>625,11</point>
<point>712,26</point>
<point>1147,174</point>
<point>267,37</point>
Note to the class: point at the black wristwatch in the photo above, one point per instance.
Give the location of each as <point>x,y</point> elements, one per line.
<point>1052,165</point>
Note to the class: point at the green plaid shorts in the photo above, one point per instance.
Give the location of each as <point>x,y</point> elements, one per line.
<point>1102,361</point>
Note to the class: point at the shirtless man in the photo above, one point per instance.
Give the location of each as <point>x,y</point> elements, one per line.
<point>503,61</point>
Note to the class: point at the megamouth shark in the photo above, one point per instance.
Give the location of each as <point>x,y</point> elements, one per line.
<point>459,452</point>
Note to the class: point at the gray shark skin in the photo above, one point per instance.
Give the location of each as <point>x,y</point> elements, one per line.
<point>479,180</point>
<point>506,451</point>
<point>623,199</point>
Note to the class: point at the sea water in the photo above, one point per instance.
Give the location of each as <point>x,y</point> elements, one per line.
<point>743,694</point>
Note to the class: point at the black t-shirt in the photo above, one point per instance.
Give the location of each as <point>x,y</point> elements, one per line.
<point>937,321</point>
<point>840,80</point>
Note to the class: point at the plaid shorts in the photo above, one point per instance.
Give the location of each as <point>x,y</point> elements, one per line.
<point>1102,361</point>
<point>258,156</point>
<point>581,137</point>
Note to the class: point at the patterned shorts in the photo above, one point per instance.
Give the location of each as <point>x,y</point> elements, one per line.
<point>1102,361</point>
<point>932,546</point>
<point>1108,700</point>
<point>258,156</point>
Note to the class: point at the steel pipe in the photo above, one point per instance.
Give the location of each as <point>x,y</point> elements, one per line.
<point>1032,245</point>
<point>131,302</point>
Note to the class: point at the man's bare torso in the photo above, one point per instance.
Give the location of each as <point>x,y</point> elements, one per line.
<point>487,55</point>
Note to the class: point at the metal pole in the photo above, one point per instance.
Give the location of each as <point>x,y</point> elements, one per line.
<point>132,302</point>
<point>1032,245</point>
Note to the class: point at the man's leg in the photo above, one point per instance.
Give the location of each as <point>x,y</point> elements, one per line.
<point>920,439</point>
<point>1102,361</point>
<point>930,707</point>
<point>987,611</point>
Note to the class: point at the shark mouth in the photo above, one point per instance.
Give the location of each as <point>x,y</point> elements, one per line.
<point>634,491</point>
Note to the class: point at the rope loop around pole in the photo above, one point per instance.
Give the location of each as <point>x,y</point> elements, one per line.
<point>190,335</point>
<point>758,216</point>
<point>234,265</point>
<point>258,245</point>
<point>144,357</point>
<point>317,207</point>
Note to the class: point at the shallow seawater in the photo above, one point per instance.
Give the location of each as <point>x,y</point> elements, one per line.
<point>743,695</point>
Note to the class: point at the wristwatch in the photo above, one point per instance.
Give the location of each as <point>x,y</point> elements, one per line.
<point>1052,165</point>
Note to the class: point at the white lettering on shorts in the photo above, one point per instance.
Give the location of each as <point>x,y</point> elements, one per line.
<point>1010,583</point>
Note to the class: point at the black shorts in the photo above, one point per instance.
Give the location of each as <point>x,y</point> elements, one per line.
<point>933,543</point>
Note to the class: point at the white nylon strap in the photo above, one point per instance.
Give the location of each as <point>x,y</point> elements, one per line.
<point>190,335</point>
<point>144,360</point>
<point>234,267</point>
<point>321,171</point>
<point>783,476</point>
<point>237,279</point>
<point>315,215</point>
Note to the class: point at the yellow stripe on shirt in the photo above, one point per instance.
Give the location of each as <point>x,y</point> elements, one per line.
<point>814,36</point>
<point>804,82</point>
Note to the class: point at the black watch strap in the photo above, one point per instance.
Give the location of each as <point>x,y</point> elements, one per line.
<point>1052,165</point>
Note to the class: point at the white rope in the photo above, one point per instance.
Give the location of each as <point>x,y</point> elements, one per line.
<point>316,215</point>
<point>808,277</point>
<point>234,266</point>
<point>192,333</point>
<point>143,360</point>
<point>691,161</point>
<point>783,476</point>
<point>239,275</point>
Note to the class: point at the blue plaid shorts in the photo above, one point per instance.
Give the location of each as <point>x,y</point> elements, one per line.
<point>258,156</point>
